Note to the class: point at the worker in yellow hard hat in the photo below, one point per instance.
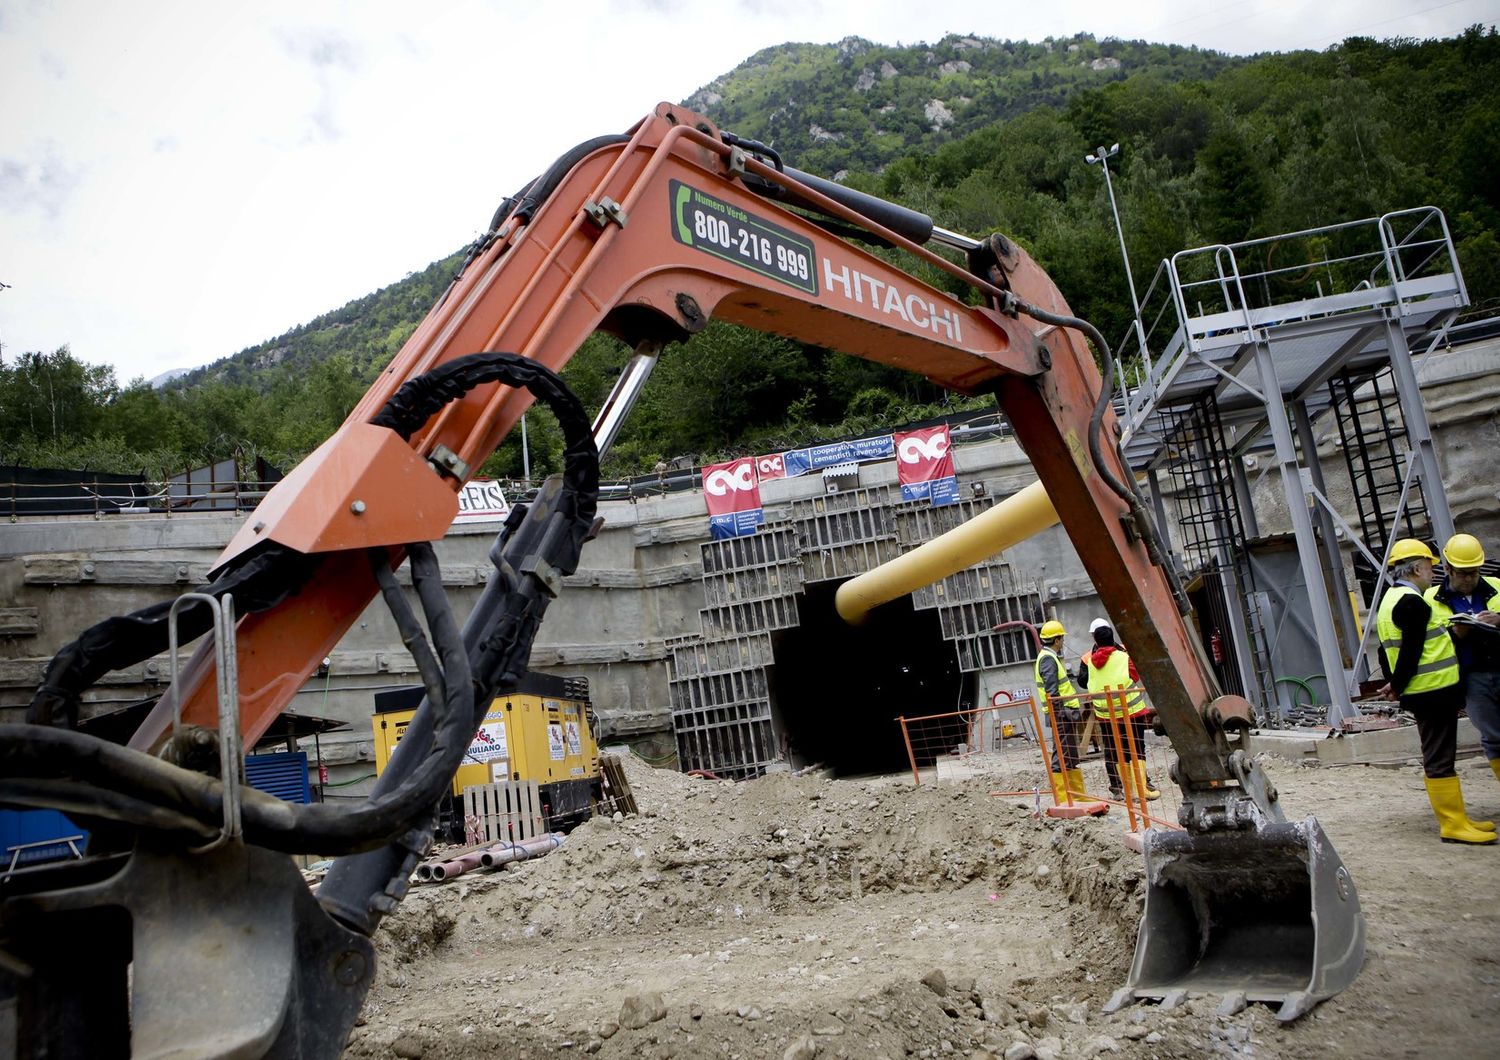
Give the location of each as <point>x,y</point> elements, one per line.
<point>1465,590</point>
<point>1055,691</point>
<point>1422,665</point>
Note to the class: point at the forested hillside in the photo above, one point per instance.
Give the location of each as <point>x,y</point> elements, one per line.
<point>857,105</point>
<point>983,135</point>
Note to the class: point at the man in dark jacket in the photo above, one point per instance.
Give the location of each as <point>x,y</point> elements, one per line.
<point>1466,591</point>
<point>1422,665</point>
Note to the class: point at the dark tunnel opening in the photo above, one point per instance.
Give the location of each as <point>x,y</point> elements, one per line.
<point>838,689</point>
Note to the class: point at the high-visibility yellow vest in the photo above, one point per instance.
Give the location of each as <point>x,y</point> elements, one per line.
<point>1441,612</point>
<point>1065,688</point>
<point>1438,667</point>
<point>1114,674</point>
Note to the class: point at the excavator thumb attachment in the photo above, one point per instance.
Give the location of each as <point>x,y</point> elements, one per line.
<point>1265,914</point>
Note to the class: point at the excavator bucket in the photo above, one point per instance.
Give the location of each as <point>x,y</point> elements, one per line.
<point>1268,914</point>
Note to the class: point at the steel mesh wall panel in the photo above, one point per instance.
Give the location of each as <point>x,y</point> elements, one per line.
<point>752,616</point>
<point>918,522</point>
<point>778,546</point>
<point>756,583</point>
<point>829,529</point>
<point>826,564</point>
<point>723,723</point>
<point>990,581</point>
<point>698,657</point>
<point>718,680</point>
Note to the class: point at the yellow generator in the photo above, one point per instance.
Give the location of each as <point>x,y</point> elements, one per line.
<point>541,731</point>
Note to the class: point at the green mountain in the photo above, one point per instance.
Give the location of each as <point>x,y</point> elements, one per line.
<point>368,331</point>
<point>858,105</point>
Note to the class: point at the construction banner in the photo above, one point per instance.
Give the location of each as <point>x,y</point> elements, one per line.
<point>733,498</point>
<point>773,465</point>
<point>801,461</point>
<point>924,466</point>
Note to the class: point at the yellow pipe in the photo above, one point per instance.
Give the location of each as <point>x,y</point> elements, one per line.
<point>1011,521</point>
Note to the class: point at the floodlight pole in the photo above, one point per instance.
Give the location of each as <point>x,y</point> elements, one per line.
<point>1101,157</point>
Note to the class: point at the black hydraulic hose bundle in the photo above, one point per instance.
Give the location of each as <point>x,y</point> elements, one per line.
<point>1129,493</point>
<point>524,203</point>
<point>259,580</point>
<point>39,753</point>
<point>41,765</point>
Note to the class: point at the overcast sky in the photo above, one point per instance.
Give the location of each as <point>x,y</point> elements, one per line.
<point>180,179</point>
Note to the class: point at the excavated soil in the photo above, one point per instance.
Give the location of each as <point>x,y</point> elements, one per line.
<point>800,917</point>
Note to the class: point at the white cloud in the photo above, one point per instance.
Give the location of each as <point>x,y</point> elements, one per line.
<point>181,179</point>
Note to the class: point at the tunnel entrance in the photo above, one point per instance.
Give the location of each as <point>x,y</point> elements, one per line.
<point>838,689</point>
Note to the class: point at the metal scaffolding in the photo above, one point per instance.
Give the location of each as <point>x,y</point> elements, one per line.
<point>1257,342</point>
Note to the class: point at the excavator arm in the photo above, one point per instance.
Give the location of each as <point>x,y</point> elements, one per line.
<point>646,236</point>
<point>649,237</point>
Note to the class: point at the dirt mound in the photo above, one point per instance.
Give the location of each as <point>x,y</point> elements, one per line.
<point>799,917</point>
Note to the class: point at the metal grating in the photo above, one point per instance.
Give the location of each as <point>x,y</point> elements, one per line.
<point>770,546</point>
<point>698,657</point>
<point>752,616</point>
<point>829,564</point>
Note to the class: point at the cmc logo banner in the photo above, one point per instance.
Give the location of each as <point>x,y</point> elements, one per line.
<point>733,498</point>
<point>924,466</point>
<point>773,466</point>
<point>479,500</point>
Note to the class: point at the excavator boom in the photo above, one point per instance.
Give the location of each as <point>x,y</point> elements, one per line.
<point>647,236</point>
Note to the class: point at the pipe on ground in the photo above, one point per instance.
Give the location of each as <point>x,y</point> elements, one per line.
<point>504,853</point>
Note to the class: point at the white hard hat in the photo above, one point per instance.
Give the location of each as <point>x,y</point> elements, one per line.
<point>1099,623</point>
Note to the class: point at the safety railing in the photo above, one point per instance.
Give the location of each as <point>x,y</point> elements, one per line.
<point>1220,294</point>
<point>92,498</point>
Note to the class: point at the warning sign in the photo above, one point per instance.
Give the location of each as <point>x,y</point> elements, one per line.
<point>555,742</point>
<point>575,741</point>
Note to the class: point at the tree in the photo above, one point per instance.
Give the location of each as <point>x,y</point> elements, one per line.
<point>52,396</point>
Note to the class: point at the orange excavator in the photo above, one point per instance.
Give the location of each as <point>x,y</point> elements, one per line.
<point>188,931</point>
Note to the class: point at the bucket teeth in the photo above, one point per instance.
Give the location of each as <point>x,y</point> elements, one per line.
<point>1267,914</point>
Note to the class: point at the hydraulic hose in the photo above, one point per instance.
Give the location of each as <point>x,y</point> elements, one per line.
<point>1129,493</point>
<point>29,752</point>
<point>43,765</point>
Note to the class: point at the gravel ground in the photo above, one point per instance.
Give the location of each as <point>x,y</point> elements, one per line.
<point>801,917</point>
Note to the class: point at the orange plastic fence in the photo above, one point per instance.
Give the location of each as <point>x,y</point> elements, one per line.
<point>1018,738</point>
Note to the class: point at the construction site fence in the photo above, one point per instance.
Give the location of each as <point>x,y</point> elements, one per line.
<point>1016,742</point>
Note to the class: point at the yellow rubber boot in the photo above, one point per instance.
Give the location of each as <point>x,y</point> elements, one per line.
<point>1058,787</point>
<point>1447,798</point>
<point>1139,769</point>
<point>1488,826</point>
<point>1075,782</point>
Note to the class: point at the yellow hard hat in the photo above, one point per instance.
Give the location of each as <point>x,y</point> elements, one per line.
<point>1051,630</point>
<point>1463,550</point>
<point>1411,548</point>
